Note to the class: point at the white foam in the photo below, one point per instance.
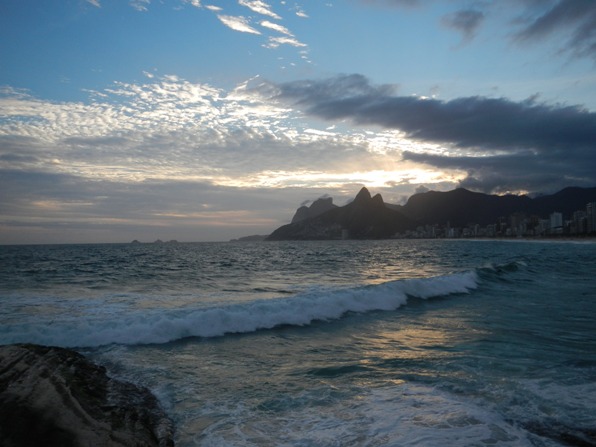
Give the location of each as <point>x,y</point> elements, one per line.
<point>397,415</point>
<point>100,326</point>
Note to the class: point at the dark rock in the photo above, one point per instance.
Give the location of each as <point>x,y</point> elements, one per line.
<point>55,397</point>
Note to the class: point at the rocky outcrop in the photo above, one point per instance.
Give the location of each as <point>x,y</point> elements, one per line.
<point>317,208</point>
<point>365,217</point>
<point>55,397</point>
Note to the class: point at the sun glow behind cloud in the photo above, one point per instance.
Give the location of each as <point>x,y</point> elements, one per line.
<point>172,129</point>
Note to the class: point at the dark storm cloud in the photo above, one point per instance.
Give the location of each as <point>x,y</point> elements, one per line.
<point>522,170</point>
<point>466,22</point>
<point>513,145</point>
<point>574,18</point>
<point>343,87</point>
<point>471,122</point>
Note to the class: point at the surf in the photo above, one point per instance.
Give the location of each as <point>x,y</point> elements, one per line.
<point>158,326</point>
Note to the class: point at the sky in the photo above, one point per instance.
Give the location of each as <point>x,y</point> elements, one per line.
<point>206,120</point>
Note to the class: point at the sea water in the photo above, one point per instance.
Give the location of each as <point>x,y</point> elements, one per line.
<point>335,343</point>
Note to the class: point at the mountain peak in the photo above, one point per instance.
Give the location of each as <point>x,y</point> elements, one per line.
<point>363,196</point>
<point>378,200</point>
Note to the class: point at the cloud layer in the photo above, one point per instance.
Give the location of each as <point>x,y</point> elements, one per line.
<point>496,137</point>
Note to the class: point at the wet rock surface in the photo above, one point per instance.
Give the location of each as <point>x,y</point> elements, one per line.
<point>55,397</point>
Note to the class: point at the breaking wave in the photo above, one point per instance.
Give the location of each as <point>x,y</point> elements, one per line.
<point>154,326</point>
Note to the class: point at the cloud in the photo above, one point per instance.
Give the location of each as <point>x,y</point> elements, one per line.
<point>468,122</point>
<point>274,42</point>
<point>569,23</point>
<point>260,7</point>
<point>574,20</point>
<point>237,23</point>
<point>41,207</point>
<point>481,135</point>
<point>169,128</point>
<point>94,3</point>
<point>197,4</point>
<point>516,171</point>
<point>465,21</point>
<point>302,14</point>
<point>240,23</point>
<point>307,92</point>
<point>287,38</point>
<point>276,27</point>
<point>140,5</point>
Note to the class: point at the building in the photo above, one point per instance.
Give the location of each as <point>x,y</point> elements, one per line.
<point>579,223</point>
<point>591,217</point>
<point>556,223</point>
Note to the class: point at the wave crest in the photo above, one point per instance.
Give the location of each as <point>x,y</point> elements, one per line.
<point>163,326</point>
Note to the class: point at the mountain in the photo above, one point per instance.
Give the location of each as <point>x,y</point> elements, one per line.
<point>370,218</point>
<point>566,201</point>
<point>461,207</point>
<point>317,208</point>
<point>364,218</point>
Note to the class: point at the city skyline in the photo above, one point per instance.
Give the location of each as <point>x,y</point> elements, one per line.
<point>199,121</point>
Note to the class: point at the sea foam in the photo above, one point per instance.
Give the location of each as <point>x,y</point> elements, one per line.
<point>148,326</point>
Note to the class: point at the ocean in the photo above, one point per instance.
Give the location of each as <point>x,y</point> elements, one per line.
<point>332,343</point>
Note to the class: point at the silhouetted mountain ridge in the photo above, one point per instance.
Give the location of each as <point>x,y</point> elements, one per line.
<point>365,217</point>
<point>369,217</point>
<point>460,207</point>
